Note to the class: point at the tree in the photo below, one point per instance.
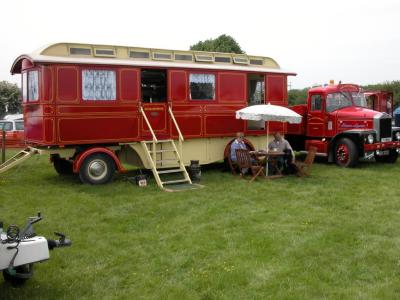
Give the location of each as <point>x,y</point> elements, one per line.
<point>223,43</point>
<point>297,96</point>
<point>10,98</point>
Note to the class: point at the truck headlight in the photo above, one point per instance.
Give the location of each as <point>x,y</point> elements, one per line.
<point>397,135</point>
<point>370,138</point>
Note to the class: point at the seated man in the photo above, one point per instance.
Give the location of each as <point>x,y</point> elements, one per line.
<point>279,144</point>
<point>238,143</point>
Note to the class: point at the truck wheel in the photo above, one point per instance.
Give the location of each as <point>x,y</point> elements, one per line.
<point>346,154</point>
<point>97,168</point>
<point>15,280</point>
<point>391,158</point>
<point>62,166</point>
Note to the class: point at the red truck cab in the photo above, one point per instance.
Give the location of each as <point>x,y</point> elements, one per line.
<point>337,121</point>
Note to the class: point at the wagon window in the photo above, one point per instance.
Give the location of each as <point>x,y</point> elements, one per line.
<point>241,60</point>
<point>204,58</point>
<point>256,89</point>
<point>33,85</point>
<point>98,85</point>
<point>184,57</point>
<point>25,86</point>
<point>162,56</point>
<point>139,54</point>
<point>202,86</point>
<point>256,62</point>
<point>80,51</point>
<point>223,59</point>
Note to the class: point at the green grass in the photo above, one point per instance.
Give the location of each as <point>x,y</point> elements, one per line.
<point>335,235</point>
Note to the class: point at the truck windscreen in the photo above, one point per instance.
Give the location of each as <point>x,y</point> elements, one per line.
<point>359,99</point>
<point>337,101</point>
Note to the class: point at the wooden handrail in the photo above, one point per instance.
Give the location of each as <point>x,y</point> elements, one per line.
<point>175,123</point>
<point>148,124</point>
<point>181,139</point>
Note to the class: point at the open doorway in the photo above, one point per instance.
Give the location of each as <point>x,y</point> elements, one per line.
<point>154,85</point>
<point>256,95</point>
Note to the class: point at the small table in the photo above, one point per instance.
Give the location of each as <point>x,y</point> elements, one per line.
<point>263,158</point>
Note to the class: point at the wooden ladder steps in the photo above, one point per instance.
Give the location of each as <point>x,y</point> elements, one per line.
<point>159,166</point>
<point>175,181</point>
<point>167,160</point>
<point>162,151</point>
<point>158,141</point>
<point>170,171</point>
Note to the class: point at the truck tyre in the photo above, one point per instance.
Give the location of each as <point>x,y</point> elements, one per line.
<point>62,166</point>
<point>97,168</point>
<point>346,154</point>
<point>391,158</point>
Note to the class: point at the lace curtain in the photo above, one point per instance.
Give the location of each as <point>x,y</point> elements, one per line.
<point>98,85</point>
<point>33,85</point>
<point>202,86</point>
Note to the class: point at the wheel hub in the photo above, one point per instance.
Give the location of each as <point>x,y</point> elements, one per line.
<point>97,169</point>
<point>342,153</point>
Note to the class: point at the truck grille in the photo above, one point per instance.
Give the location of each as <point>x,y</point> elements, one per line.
<point>385,128</point>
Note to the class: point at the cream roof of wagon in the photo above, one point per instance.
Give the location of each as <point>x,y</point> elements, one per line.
<point>73,53</point>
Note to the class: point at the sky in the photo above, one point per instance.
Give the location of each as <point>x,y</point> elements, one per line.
<point>352,41</point>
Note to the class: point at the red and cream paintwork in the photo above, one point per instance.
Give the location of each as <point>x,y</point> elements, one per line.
<point>60,118</point>
<point>345,134</point>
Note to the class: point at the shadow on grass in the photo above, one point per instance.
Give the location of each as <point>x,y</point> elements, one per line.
<point>36,291</point>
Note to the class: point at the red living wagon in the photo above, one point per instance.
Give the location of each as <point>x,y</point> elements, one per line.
<point>94,107</point>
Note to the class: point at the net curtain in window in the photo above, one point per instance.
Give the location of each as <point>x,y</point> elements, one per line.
<point>33,85</point>
<point>98,85</point>
<point>202,86</point>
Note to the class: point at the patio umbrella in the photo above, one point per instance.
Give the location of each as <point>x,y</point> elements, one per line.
<point>268,112</point>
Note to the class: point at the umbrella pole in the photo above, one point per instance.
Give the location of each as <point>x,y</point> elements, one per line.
<point>266,165</point>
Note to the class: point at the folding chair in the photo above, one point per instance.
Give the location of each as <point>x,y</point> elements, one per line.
<point>303,168</point>
<point>232,165</point>
<point>244,163</point>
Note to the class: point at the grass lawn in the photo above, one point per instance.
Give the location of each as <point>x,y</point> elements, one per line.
<point>335,235</point>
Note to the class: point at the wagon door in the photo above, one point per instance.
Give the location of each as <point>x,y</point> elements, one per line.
<point>154,102</point>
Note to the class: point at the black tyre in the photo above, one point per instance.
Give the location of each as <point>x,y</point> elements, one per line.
<point>346,154</point>
<point>391,158</point>
<point>63,166</point>
<point>26,270</point>
<point>97,168</point>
